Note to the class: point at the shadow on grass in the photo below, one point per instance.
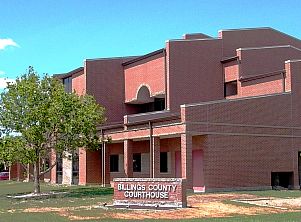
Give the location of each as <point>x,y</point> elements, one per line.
<point>87,192</point>
<point>20,188</point>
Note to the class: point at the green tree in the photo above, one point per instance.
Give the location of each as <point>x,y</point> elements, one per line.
<point>38,117</point>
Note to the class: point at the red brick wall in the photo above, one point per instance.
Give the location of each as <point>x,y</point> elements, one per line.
<point>265,60</point>
<point>17,172</point>
<point>105,81</point>
<point>262,86</point>
<point>245,161</point>
<point>234,39</point>
<point>231,71</point>
<point>295,70</point>
<point>89,167</point>
<point>93,166</point>
<point>79,83</point>
<point>149,72</point>
<point>245,140</point>
<point>194,72</point>
<point>13,170</point>
<point>53,170</point>
<point>82,166</point>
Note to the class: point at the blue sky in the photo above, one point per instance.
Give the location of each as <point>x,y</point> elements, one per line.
<point>55,36</point>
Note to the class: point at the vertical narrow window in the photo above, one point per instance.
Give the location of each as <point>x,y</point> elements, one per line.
<point>68,84</point>
<point>230,88</point>
<point>75,168</point>
<point>114,163</point>
<point>159,104</point>
<point>137,162</point>
<point>163,162</point>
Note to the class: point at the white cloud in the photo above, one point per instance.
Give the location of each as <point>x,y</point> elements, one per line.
<point>4,81</point>
<point>7,42</point>
<point>2,72</point>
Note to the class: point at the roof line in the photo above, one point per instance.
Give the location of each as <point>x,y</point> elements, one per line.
<point>110,58</point>
<point>233,100</point>
<point>243,29</point>
<point>197,33</point>
<point>288,35</point>
<point>68,74</point>
<point>260,76</point>
<point>229,59</point>
<point>268,47</point>
<point>293,60</point>
<point>143,57</point>
<point>191,40</point>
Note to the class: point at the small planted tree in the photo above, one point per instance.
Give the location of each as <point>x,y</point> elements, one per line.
<point>38,117</point>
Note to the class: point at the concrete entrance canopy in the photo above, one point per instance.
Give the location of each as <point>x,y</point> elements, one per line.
<point>170,125</point>
<point>152,129</point>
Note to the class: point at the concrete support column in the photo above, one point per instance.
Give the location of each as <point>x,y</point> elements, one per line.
<point>155,165</point>
<point>67,168</point>
<point>186,159</point>
<point>105,165</point>
<point>128,157</point>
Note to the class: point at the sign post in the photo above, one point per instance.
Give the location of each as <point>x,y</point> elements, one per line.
<point>149,193</point>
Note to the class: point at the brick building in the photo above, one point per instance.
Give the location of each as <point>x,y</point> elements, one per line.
<point>224,113</point>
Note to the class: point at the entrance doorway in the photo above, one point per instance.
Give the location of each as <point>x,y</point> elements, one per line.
<point>197,170</point>
<point>282,179</point>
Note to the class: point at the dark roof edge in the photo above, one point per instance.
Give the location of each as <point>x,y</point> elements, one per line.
<point>68,74</point>
<point>260,76</point>
<point>143,57</point>
<point>229,59</point>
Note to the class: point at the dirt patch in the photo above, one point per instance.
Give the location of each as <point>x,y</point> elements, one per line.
<point>67,212</point>
<point>206,198</point>
<point>200,206</point>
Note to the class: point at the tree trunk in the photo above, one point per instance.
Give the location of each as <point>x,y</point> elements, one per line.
<point>36,174</point>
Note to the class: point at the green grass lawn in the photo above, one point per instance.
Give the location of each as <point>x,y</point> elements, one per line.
<point>76,196</point>
<point>275,193</point>
<point>83,201</point>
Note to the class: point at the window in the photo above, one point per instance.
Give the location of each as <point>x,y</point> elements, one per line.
<point>230,88</point>
<point>68,84</point>
<point>59,169</point>
<point>137,162</point>
<point>163,162</point>
<point>159,104</point>
<point>75,168</point>
<point>114,163</point>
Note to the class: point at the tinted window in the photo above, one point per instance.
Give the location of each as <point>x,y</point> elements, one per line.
<point>230,88</point>
<point>137,162</point>
<point>163,162</point>
<point>114,163</point>
<point>67,84</point>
